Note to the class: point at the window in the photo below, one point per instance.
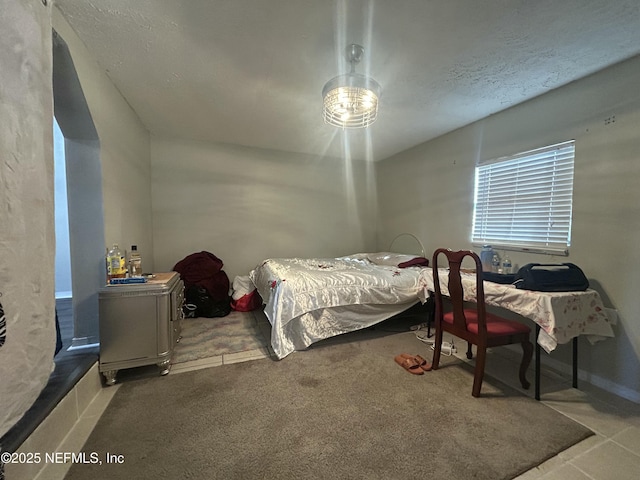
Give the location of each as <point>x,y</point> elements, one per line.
<point>523,202</point>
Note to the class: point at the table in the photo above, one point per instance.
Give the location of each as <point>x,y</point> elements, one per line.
<point>560,317</point>
<point>140,324</point>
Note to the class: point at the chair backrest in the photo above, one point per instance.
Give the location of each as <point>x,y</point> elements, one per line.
<point>456,290</point>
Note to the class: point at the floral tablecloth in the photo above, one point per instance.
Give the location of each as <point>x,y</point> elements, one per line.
<point>560,315</point>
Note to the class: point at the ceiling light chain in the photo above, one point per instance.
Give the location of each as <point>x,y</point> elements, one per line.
<point>351,100</point>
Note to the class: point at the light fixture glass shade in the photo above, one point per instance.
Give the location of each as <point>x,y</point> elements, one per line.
<point>351,100</point>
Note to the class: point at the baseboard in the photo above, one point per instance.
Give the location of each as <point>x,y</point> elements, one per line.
<point>585,376</point>
<point>82,347</point>
<point>595,380</point>
<point>82,342</point>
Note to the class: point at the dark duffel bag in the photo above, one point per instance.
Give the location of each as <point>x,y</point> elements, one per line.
<point>551,277</point>
<point>199,303</point>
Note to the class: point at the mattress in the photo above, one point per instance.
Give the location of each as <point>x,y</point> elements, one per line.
<point>310,299</point>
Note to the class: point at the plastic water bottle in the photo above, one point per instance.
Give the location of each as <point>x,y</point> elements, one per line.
<point>495,263</point>
<point>135,262</point>
<point>506,264</point>
<point>486,257</point>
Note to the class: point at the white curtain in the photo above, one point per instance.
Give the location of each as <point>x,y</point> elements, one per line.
<point>27,239</point>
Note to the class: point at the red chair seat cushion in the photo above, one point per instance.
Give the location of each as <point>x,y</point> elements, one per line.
<point>496,326</point>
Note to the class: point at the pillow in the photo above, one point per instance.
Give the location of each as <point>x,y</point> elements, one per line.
<point>400,260</point>
<point>415,262</point>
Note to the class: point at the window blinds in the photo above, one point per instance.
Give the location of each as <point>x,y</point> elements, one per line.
<point>524,201</point>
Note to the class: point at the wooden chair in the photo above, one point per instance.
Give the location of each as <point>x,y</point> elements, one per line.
<point>474,325</point>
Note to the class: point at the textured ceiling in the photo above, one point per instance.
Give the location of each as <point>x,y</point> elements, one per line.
<point>251,72</point>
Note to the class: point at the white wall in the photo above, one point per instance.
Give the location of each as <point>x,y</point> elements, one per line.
<point>245,204</point>
<point>124,151</point>
<point>108,173</point>
<point>430,187</point>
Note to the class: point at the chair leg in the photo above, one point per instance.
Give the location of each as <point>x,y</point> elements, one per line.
<point>527,353</point>
<point>469,351</point>
<point>481,358</point>
<point>437,347</point>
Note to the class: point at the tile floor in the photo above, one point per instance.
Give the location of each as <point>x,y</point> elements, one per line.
<point>612,453</point>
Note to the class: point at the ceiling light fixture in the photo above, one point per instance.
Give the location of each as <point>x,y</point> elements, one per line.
<point>351,100</point>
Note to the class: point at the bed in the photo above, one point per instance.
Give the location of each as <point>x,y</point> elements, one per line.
<point>311,299</point>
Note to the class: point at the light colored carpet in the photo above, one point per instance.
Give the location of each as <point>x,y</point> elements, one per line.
<point>338,410</point>
<point>208,337</point>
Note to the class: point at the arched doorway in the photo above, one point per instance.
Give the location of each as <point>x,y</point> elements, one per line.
<point>84,195</point>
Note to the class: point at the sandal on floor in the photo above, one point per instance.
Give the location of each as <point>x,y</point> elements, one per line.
<point>422,363</point>
<point>409,364</point>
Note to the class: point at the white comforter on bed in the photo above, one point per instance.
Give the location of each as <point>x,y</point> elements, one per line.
<point>315,298</point>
